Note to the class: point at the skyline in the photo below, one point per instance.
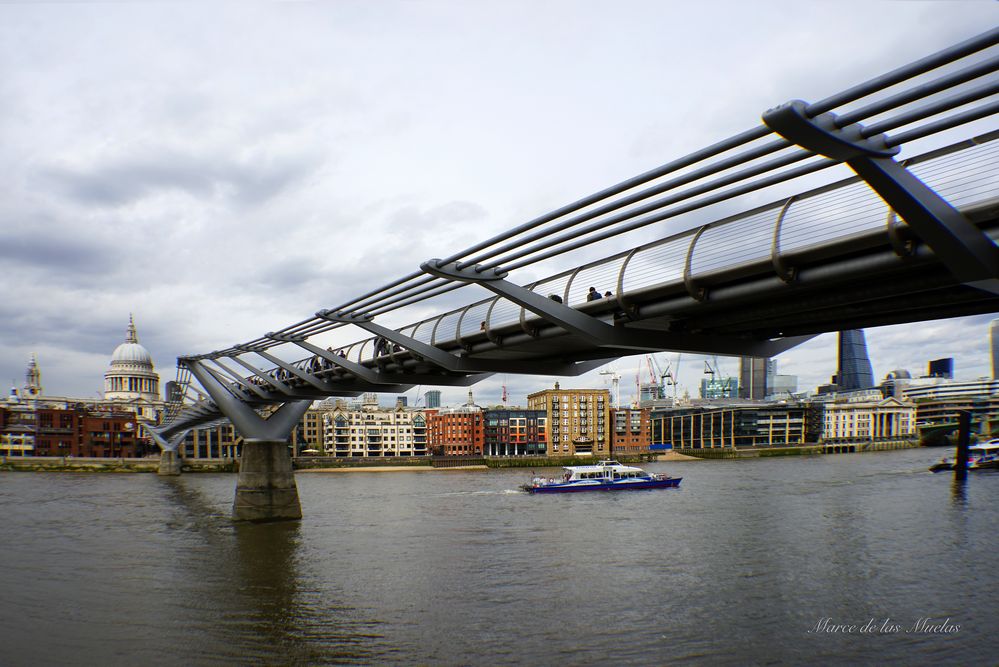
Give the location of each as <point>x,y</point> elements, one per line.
<point>451,396</point>
<point>207,169</point>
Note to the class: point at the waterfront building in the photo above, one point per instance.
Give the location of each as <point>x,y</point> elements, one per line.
<point>649,391</point>
<point>373,431</point>
<point>750,424</point>
<point>457,431</point>
<point>214,442</point>
<point>33,424</point>
<point>933,416</point>
<point>17,427</point>
<point>631,430</point>
<point>514,432</point>
<point>57,429</point>
<point>578,420</point>
<point>868,421</point>
<point>309,436</point>
<point>432,399</point>
<point>943,390</point>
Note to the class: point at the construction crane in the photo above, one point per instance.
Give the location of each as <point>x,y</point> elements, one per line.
<point>671,376</point>
<point>616,383</point>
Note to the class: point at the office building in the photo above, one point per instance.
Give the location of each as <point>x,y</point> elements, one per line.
<point>855,370</point>
<point>941,368</point>
<point>723,387</point>
<point>753,373</point>
<point>432,399</point>
<point>753,424</point>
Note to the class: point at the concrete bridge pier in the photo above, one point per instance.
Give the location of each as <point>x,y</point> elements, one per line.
<point>265,488</point>
<point>169,463</point>
<point>169,460</point>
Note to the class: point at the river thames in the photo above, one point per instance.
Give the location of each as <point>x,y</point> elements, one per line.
<point>841,559</point>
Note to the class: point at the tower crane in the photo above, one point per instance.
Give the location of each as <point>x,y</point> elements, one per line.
<point>616,383</point>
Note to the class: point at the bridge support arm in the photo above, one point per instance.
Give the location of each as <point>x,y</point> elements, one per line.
<point>246,420</point>
<point>598,332</point>
<point>169,457</point>
<point>265,488</point>
<point>482,368</point>
<point>326,387</point>
<point>965,250</point>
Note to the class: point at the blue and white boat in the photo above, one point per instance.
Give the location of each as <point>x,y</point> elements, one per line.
<point>604,476</point>
<point>983,456</point>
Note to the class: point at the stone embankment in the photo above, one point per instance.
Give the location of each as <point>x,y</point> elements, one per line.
<point>74,464</point>
<point>799,450</point>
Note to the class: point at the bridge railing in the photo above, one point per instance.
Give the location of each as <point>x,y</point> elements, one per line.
<point>932,95</point>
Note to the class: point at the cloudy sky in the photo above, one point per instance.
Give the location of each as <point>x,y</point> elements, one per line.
<point>223,169</point>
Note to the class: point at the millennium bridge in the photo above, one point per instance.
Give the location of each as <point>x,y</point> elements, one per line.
<point>891,241</point>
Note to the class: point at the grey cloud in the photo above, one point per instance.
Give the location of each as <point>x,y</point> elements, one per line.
<point>127,180</point>
<point>45,247</point>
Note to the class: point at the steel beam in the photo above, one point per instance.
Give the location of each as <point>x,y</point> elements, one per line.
<point>246,420</point>
<point>966,251</point>
<point>598,332</point>
<point>453,363</point>
<point>323,386</point>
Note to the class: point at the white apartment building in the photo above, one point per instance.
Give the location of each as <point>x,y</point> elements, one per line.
<point>373,431</point>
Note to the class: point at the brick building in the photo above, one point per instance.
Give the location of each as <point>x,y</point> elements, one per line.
<point>457,431</point>
<point>631,430</point>
<point>577,420</point>
<point>80,431</point>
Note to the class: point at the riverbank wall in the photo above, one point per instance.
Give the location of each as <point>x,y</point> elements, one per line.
<point>75,464</point>
<point>799,450</point>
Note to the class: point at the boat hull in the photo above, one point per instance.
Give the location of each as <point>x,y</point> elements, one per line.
<point>671,483</point>
<point>949,465</point>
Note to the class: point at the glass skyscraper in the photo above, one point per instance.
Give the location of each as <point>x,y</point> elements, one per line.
<point>855,370</point>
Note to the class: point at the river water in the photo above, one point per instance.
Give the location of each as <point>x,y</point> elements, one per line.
<point>765,561</point>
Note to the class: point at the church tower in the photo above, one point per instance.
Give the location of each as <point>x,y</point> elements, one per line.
<point>32,379</point>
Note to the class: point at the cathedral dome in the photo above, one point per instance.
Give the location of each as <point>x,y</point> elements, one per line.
<point>132,353</point>
<point>131,375</point>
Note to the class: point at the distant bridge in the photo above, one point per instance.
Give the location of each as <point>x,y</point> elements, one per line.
<point>898,242</point>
